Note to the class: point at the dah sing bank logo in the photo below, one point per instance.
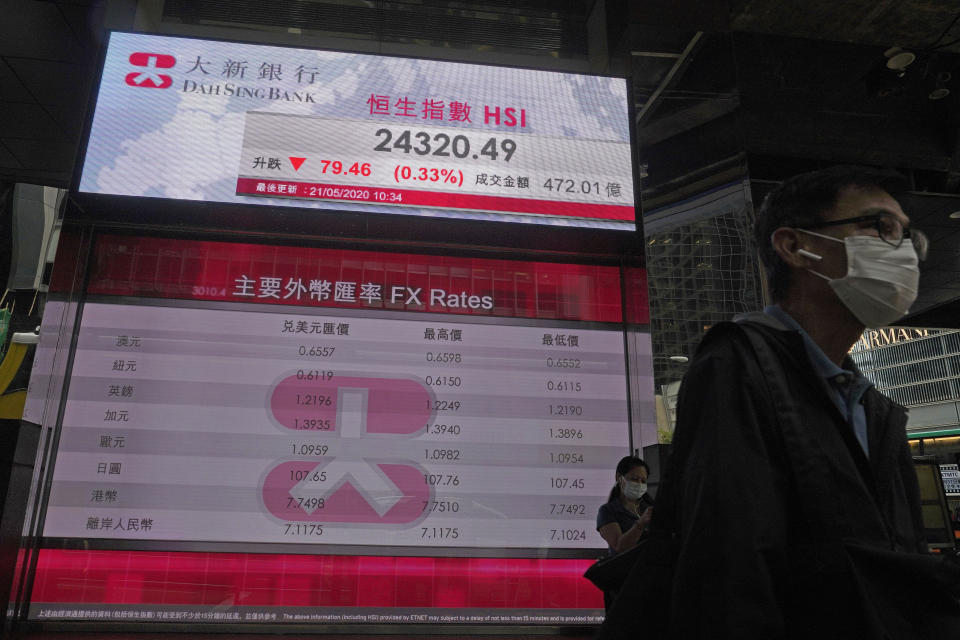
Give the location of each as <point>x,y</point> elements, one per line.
<point>147,78</point>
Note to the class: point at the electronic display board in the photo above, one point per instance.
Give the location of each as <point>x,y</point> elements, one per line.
<point>458,415</point>
<point>227,122</point>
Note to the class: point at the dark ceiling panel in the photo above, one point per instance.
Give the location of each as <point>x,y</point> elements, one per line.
<point>85,21</point>
<point>7,161</point>
<point>60,179</point>
<point>19,119</point>
<point>11,89</point>
<point>707,70</point>
<point>917,23</point>
<point>696,14</point>
<point>68,117</point>
<point>54,82</point>
<point>22,29</point>
<point>711,70</point>
<point>531,25</point>
<point>676,120</point>
<point>647,74</point>
<point>643,37</point>
<point>42,155</point>
<point>907,23</point>
<point>831,76</point>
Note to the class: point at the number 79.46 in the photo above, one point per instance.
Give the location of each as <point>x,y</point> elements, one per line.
<point>339,168</point>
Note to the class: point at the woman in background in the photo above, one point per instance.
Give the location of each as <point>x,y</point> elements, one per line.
<point>626,515</point>
<point>623,519</point>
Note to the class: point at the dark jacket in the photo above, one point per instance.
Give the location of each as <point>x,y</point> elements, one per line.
<point>773,491</point>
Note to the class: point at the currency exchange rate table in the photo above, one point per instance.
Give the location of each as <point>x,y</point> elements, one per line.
<point>216,422</point>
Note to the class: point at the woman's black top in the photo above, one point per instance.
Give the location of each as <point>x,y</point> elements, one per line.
<point>614,511</point>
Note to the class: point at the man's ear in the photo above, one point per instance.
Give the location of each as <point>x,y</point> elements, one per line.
<point>787,243</point>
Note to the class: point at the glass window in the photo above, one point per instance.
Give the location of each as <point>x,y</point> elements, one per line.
<point>951,342</point>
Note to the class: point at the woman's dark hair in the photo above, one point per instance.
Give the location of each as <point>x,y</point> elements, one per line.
<point>802,201</point>
<point>625,466</point>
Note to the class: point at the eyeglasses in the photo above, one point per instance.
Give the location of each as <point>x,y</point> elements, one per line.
<point>890,230</point>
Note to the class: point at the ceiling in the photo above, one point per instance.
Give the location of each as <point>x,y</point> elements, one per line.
<point>778,85</point>
<point>783,90</point>
<point>48,51</point>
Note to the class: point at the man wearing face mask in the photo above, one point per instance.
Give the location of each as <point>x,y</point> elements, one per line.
<point>795,505</point>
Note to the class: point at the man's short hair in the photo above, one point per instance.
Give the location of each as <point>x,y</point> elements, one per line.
<point>802,201</point>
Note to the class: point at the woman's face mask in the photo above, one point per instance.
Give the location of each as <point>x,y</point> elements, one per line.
<point>633,490</point>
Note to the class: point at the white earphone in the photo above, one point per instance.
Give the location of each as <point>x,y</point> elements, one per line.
<point>809,254</point>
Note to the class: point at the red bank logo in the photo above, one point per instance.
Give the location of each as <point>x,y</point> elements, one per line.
<point>148,79</point>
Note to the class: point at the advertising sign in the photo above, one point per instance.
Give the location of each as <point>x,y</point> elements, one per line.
<point>951,478</point>
<point>229,122</point>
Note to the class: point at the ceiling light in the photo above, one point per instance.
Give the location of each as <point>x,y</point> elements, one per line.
<point>955,215</point>
<point>940,90</point>
<point>898,59</point>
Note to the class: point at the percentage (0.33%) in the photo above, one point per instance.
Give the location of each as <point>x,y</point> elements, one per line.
<point>405,173</point>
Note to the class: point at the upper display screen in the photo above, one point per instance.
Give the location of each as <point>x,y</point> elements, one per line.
<point>241,123</point>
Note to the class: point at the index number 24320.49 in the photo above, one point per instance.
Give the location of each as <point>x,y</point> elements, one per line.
<point>441,144</point>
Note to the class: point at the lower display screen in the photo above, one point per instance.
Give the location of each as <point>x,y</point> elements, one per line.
<point>204,424</point>
<point>257,433</point>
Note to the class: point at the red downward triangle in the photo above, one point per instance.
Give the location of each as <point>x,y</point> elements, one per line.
<point>297,162</point>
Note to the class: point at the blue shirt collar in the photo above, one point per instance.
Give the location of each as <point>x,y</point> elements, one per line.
<point>823,365</point>
<point>845,387</point>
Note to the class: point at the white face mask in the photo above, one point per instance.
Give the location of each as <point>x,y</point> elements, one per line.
<point>633,490</point>
<point>881,281</point>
